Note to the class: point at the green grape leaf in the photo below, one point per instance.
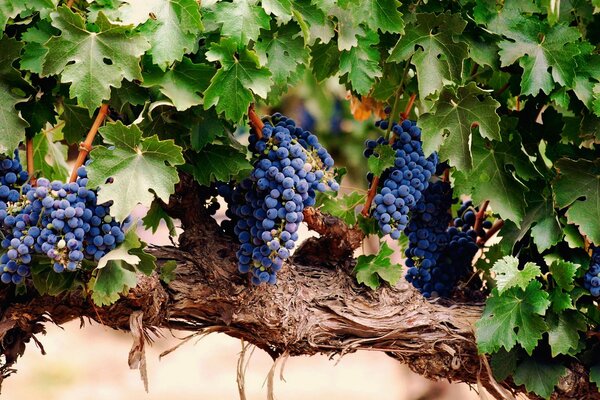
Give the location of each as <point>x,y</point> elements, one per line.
<point>122,252</point>
<point>383,15</point>
<point>490,178</point>
<point>12,8</point>
<point>77,122</point>
<point>545,53</point>
<point>171,26</point>
<point>181,83</point>
<point>282,9</point>
<point>437,57</point>
<point>504,363</point>
<point>12,126</point>
<point>92,61</point>
<point>282,51</point>
<point>563,331</point>
<point>207,128</point>
<point>512,317</point>
<point>508,274</point>
<point>344,207</point>
<point>383,158</point>
<point>313,21</point>
<point>217,163</point>
<point>147,263</point>
<point>110,282</point>
<point>34,52</point>
<point>46,281</point>
<point>156,214</point>
<point>371,269</point>
<point>561,300</point>
<point>448,127</point>
<point>563,273</point>
<point>324,60</point>
<point>240,20</point>
<point>538,377</point>
<point>50,155</point>
<point>348,28</point>
<point>167,271</point>
<point>240,75</point>
<point>578,187</point>
<point>361,63</point>
<point>136,165</point>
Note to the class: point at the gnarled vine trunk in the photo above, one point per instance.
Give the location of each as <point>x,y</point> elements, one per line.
<point>314,308</point>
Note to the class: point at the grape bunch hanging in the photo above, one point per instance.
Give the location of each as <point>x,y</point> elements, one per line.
<point>53,221</point>
<point>441,249</point>
<point>290,166</point>
<point>592,276</point>
<point>404,183</point>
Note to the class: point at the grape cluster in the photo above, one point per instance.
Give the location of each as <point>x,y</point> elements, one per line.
<point>58,221</point>
<point>592,276</point>
<point>290,166</point>
<point>404,183</point>
<point>440,250</point>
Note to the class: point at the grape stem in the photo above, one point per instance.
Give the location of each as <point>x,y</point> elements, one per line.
<point>86,146</point>
<point>491,232</point>
<point>30,166</point>
<point>255,121</point>
<point>480,215</point>
<point>409,106</point>
<point>70,3</point>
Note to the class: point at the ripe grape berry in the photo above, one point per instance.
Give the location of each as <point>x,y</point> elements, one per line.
<point>58,221</point>
<point>290,166</point>
<point>401,185</point>
<point>592,276</point>
<point>440,250</point>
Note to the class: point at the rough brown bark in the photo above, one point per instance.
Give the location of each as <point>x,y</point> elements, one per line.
<point>313,309</point>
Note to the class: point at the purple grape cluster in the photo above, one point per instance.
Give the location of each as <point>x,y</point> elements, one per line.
<point>404,183</point>
<point>592,276</point>
<point>440,250</point>
<point>58,221</point>
<point>290,166</point>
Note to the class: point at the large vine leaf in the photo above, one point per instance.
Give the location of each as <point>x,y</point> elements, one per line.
<point>181,83</point>
<point>92,61</point>
<point>545,53</point>
<point>240,20</point>
<point>240,75</point>
<point>282,51</point>
<point>136,166</point>
<point>431,44</point>
<point>539,377</point>
<point>12,126</point>
<point>578,187</point>
<point>563,331</point>
<point>372,268</point>
<point>448,127</point>
<point>361,63</point>
<point>508,274</point>
<point>172,26</point>
<point>217,162</point>
<point>383,15</point>
<point>512,317</point>
<point>490,177</point>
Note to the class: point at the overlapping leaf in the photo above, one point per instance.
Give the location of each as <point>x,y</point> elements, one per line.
<point>240,20</point>
<point>92,61</point>
<point>240,76</point>
<point>578,188</point>
<point>136,166</point>
<point>450,124</point>
<point>361,63</point>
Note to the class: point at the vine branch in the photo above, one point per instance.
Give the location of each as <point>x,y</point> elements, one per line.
<point>86,146</point>
<point>29,156</point>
